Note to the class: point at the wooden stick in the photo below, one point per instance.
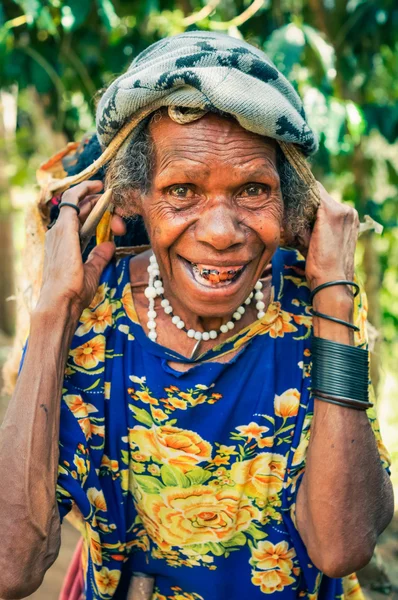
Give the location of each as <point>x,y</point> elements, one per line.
<point>90,225</point>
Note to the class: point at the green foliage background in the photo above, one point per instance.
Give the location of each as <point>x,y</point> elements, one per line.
<point>342,56</point>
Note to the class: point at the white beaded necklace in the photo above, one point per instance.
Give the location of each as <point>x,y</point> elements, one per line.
<point>155,288</point>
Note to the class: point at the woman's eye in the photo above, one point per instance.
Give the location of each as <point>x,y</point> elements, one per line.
<point>181,191</point>
<point>253,190</point>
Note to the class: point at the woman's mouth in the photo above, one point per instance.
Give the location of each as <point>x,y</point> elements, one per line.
<point>214,276</point>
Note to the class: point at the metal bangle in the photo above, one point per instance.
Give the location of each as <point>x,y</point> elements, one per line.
<point>351,392</point>
<point>352,401</point>
<point>336,282</point>
<point>77,209</point>
<point>326,344</point>
<point>343,404</point>
<point>315,313</point>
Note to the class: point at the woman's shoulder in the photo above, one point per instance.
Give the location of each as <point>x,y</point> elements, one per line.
<point>97,319</point>
<point>123,269</point>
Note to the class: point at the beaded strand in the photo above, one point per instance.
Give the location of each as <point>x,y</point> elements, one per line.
<point>155,288</point>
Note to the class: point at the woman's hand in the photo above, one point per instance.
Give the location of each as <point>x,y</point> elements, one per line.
<point>66,279</point>
<point>331,249</point>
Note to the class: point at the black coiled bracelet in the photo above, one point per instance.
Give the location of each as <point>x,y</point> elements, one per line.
<point>340,374</point>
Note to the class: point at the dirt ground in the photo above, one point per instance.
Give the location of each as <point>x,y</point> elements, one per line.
<point>379,579</point>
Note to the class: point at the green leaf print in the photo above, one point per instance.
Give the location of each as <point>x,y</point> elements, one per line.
<point>215,549</point>
<point>239,539</point>
<point>198,476</point>
<point>141,415</point>
<point>208,547</point>
<point>148,484</point>
<point>255,533</point>
<point>93,386</point>
<point>173,477</point>
<point>284,429</point>
<point>86,371</point>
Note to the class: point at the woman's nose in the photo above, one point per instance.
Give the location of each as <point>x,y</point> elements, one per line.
<point>219,227</point>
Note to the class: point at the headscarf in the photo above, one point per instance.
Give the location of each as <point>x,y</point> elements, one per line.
<point>210,72</point>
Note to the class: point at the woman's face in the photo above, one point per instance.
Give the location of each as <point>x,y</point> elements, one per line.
<point>214,211</point>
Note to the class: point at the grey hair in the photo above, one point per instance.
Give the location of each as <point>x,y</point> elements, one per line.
<point>130,175</point>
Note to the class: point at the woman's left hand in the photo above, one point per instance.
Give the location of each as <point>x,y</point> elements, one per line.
<point>331,250</point>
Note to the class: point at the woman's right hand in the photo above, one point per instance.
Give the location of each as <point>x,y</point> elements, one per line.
<point>66,279</point>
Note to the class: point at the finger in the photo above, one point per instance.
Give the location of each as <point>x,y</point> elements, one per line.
<point>118,226</point>
<point>76,194</point>
<point>98,258</point>
<point>86,206</point>
<point>326,199</point>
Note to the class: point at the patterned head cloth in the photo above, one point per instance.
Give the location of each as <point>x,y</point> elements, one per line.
<point>210,72</point>
<point>194,73</point>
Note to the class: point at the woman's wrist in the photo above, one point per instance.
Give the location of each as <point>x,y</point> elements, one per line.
<point>49,316</point>
<point>338,303</point>
<point>55,307</point>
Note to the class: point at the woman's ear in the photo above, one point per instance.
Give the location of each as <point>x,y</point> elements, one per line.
<point>118,225</point>
<point>288,238</point>
<point>128,203</point>
<point>133,204</point>
<point>283,238</point>
<point>118,210</point>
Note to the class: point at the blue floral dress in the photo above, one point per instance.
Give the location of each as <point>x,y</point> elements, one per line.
<point>192,476</point>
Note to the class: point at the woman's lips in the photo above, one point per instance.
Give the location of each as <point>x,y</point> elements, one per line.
<point>214,276</point>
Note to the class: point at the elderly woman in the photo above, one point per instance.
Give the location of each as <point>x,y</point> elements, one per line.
<point>213,432</point>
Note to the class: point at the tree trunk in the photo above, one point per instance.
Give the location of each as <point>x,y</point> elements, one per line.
<point>371,262</point>
<point>7,288</point>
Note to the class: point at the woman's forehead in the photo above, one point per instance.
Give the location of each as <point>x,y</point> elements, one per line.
<point>213,135</point>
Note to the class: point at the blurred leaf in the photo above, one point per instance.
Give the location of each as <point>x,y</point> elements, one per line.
<point>31,8</point>
<point>108,14</point>
<point>335,123</point>
<point>392,173</point>
<point>322,50</point>
<point>40,78</point>
<point>166,23</point>
<point>45,21</point>
<point>285,47</point>
<point>356,123</point>
<point>383,119</point>
<point>74,13</point>
<point>316,108</point>
<point>151,6</point>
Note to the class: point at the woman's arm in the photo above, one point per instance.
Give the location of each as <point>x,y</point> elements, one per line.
<point>29,519</point>
<point>345,499</point>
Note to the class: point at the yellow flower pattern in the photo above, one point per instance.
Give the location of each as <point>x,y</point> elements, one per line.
<point>195,475</point>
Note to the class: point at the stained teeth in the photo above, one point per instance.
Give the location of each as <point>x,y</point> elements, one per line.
<point>215,276</point>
